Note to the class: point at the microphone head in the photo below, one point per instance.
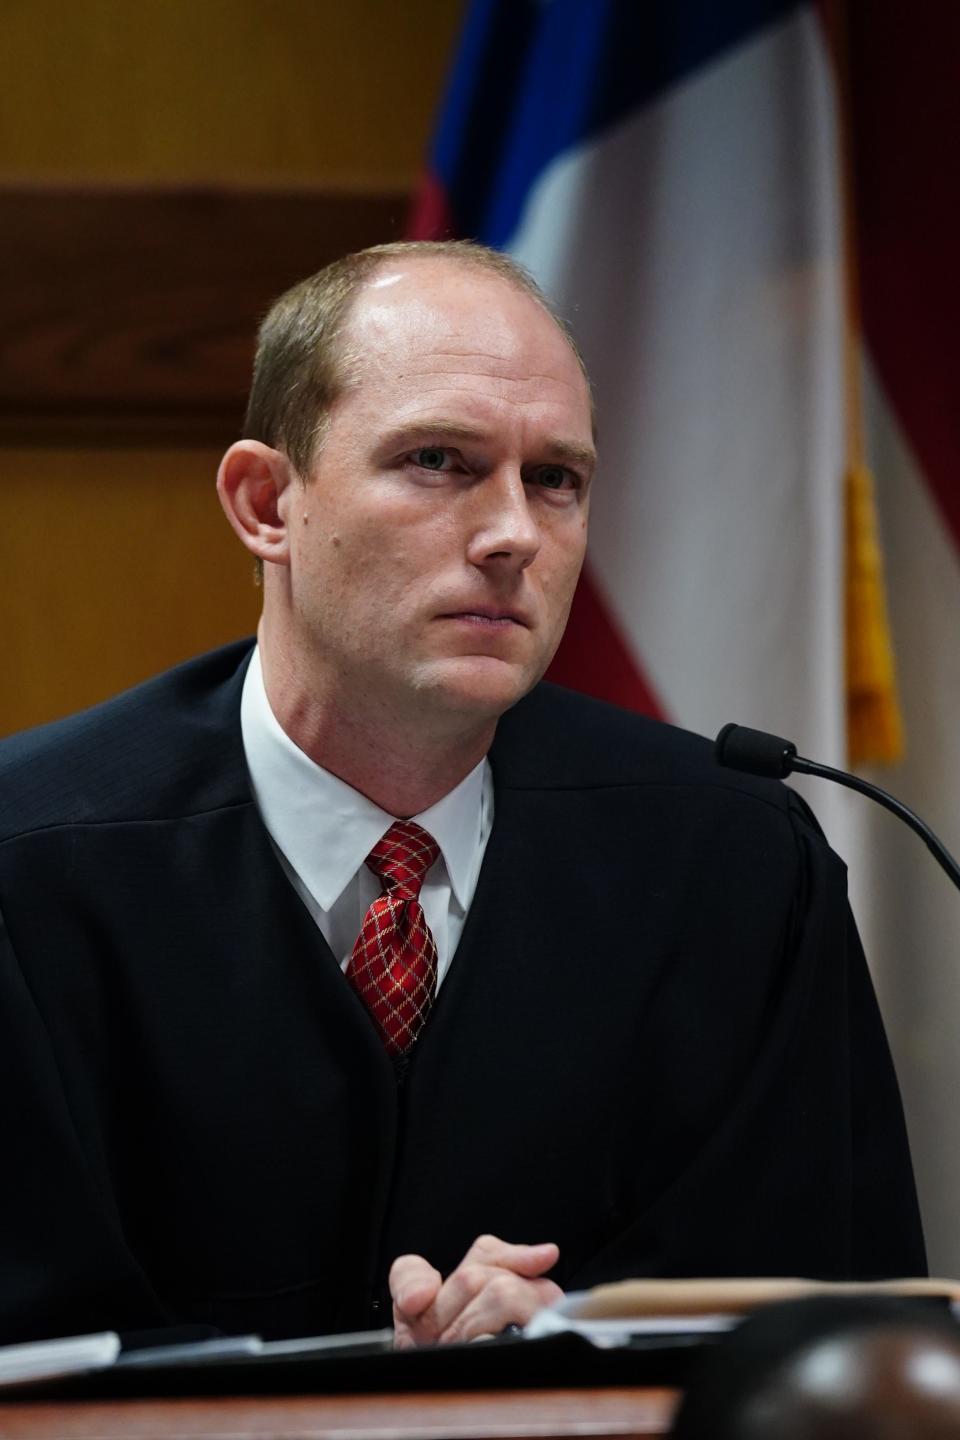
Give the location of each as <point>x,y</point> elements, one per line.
<point>754,751</point>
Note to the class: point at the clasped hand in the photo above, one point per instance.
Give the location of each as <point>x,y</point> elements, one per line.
<point>496,1284</point>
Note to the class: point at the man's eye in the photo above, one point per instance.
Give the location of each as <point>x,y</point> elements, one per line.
<point>431,457</point>
<point>554,477</point>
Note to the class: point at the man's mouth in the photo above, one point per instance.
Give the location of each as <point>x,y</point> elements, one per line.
<point>489,617</point>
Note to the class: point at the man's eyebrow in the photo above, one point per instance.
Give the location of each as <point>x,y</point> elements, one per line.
<point>453,430</point>
<point>434,430</point>
<point>576,454</point>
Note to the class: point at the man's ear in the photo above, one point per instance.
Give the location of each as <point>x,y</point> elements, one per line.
<point>251,479</point>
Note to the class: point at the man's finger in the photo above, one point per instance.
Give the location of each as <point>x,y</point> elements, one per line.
<point>484,1262</point>
<point>414,1285</point>
<point>506,1300</point>
<point>530,1260</point>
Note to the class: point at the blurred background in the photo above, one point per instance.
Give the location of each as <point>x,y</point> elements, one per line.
<point>746,212</point>
<point>167,169</point>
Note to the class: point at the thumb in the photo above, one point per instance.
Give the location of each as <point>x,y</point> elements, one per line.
<point>414,1285</point>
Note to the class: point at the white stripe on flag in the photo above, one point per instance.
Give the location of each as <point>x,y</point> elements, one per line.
<point>696,250</point>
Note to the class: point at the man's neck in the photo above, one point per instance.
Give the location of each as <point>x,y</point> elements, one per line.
<point>402,763</point>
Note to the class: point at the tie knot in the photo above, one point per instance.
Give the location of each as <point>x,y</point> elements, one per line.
<point>402,857</point>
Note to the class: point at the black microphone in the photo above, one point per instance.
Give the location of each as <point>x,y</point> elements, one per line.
<point>757,753</point>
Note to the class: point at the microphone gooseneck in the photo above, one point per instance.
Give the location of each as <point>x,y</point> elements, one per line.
<point>754,751</point>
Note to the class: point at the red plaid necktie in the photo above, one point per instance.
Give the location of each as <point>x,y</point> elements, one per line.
<point>393,967</point>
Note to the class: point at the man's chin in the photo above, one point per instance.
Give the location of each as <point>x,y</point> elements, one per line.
<point>480,685</point>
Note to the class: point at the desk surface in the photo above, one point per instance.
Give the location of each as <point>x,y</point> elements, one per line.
<point>479,1415</point>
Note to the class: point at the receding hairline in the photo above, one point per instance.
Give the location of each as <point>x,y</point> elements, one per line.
<point>393,263</point>
<point>468,261</point>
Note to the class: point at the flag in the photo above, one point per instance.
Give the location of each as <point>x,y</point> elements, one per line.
<point>904,106</point>
<point>691,185</point>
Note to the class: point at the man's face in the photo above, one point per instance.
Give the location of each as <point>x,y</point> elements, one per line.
<point>437,542</point>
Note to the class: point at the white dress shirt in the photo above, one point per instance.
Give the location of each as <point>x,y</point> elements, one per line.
<point>323,830</point>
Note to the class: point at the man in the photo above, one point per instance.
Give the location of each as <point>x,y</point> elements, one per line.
<point>337,972</point>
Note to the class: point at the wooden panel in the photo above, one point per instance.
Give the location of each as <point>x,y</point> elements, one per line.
<point>336,93</point>
<point>117,563</point>
<point>129,314</point>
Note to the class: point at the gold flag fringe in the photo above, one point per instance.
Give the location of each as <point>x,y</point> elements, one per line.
<point>874,722</point>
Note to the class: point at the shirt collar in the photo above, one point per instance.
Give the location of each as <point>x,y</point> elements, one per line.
<point>324,827</point>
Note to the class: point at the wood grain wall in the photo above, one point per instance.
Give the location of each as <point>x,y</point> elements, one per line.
<point>165,169</point>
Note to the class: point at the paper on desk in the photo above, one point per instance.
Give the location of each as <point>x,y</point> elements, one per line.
<point>42,1359</point>
<point>611,1315</point>
<point>252,1347</point>
<point>50,1359</point>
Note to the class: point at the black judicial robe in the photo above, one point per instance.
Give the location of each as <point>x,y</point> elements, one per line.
<point>657,1044</point>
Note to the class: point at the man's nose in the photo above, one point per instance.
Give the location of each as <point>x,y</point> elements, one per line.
<point>505,529</point>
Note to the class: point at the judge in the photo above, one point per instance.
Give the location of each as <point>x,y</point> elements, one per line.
<point>356,970</point>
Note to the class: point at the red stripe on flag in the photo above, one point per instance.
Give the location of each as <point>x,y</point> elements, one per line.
<point>594,658</point>
<point>905,102</point>
<point>429,217</point>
